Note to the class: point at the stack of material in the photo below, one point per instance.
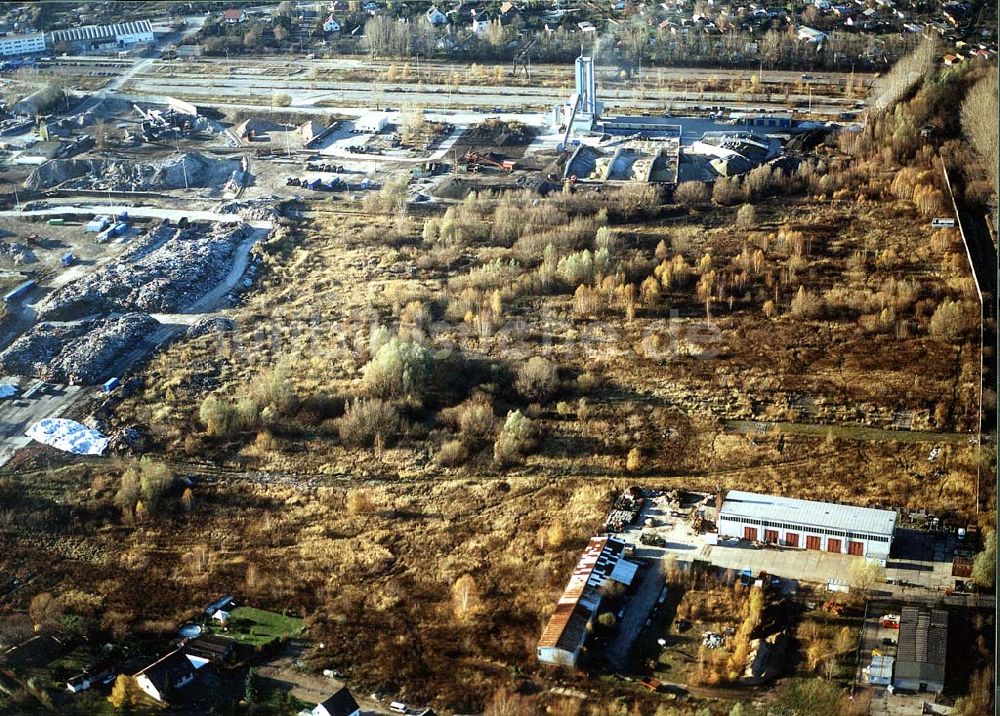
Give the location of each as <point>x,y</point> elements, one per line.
<point>165,272</point>
<point>68,436</point>
<point>16,253</point>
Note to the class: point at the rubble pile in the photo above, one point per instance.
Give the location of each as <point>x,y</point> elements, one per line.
<point>16,253</point>
<point>261,209</point>
<point>175,172</point>
<point>159,276</point>
<point>208,325</point>
<point>82,353</point>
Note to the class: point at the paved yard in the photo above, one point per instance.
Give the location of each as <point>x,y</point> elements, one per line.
<point>788,563</point>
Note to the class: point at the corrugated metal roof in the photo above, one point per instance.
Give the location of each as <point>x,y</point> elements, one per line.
<point>100,32</point>
<point>880,670</point>
<point>923,644</point>
<point>599,562</point>
<point>739,504</point>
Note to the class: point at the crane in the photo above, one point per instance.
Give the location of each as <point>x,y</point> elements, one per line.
<point>523,59</point>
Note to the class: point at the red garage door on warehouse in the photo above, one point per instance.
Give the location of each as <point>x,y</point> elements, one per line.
<point>812,542</point>
<point>771,536</point>
<point>855,548</point>
<point>750,533</point>
<point>833,545</point>
<point>792,539</point>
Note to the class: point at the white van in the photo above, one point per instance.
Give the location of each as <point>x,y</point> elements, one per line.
<point>397,707</point>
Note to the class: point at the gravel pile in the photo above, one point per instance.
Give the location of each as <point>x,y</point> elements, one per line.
<point>16,253</point>
<point>210,324</point>
<point>164,273</point>
<point>252,209</point>
<point>122,175</point>
<point>82,353</point>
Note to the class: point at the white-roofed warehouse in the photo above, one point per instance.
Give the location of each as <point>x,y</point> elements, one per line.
<point>821,526</point>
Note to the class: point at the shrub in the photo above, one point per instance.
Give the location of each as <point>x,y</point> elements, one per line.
<point>691,193</point>
<point>476,418</point>
<point>516,439</point>
<point>399,369</point>
<point>281,100</point>
<point>154,480</point>
<point>633,462</point>
<point>746,217</point>
<point>953,320</point>
<point>806,304</point>
<point>365,420</point>
<point>537,379</point>
<point>452,453</point>
<point>726,191</point>
<point>273,389</point>
<point>218,417</point>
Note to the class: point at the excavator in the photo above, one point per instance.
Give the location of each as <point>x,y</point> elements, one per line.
<point>474,160</point>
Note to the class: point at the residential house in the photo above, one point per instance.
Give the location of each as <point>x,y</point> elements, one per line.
<point>221,616</point>
<point>173,671</point>
<point>234,17</point>
<point>331,25</point>
<point>212,647</point>
<point>435,16</point>
<point>93,674</point>
<point>810,34</point>
<point>480,24</point>
<point>341,703</point>
<point>586,27</point>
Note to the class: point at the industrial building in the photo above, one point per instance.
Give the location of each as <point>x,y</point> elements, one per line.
<point>563,637</point>
<point>105,37</point>
<point>22,44</point>
<point>371,123</point>
<point>821,526</point>
<point>922,649</point>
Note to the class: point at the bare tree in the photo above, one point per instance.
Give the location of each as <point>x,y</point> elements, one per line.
<point>979,121</point>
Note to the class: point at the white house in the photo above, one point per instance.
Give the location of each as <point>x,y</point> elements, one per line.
<point>586,27</point>
<point>234,17</point>
<point>435,16</point>
<point>331,25</point>
<point>810,34</point>
<point>341,703</point>
<point>480,24</point>
<point>221,616</point>
<point>173,671</point>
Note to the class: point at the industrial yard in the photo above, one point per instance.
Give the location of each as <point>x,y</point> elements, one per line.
<point>532,373</point>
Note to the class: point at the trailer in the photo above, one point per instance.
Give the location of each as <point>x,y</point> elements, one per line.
<point>67,259</point>
<point>110,384</point>
<point>19,291</point>
<point>56,222</point>
<point>99,224</point>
